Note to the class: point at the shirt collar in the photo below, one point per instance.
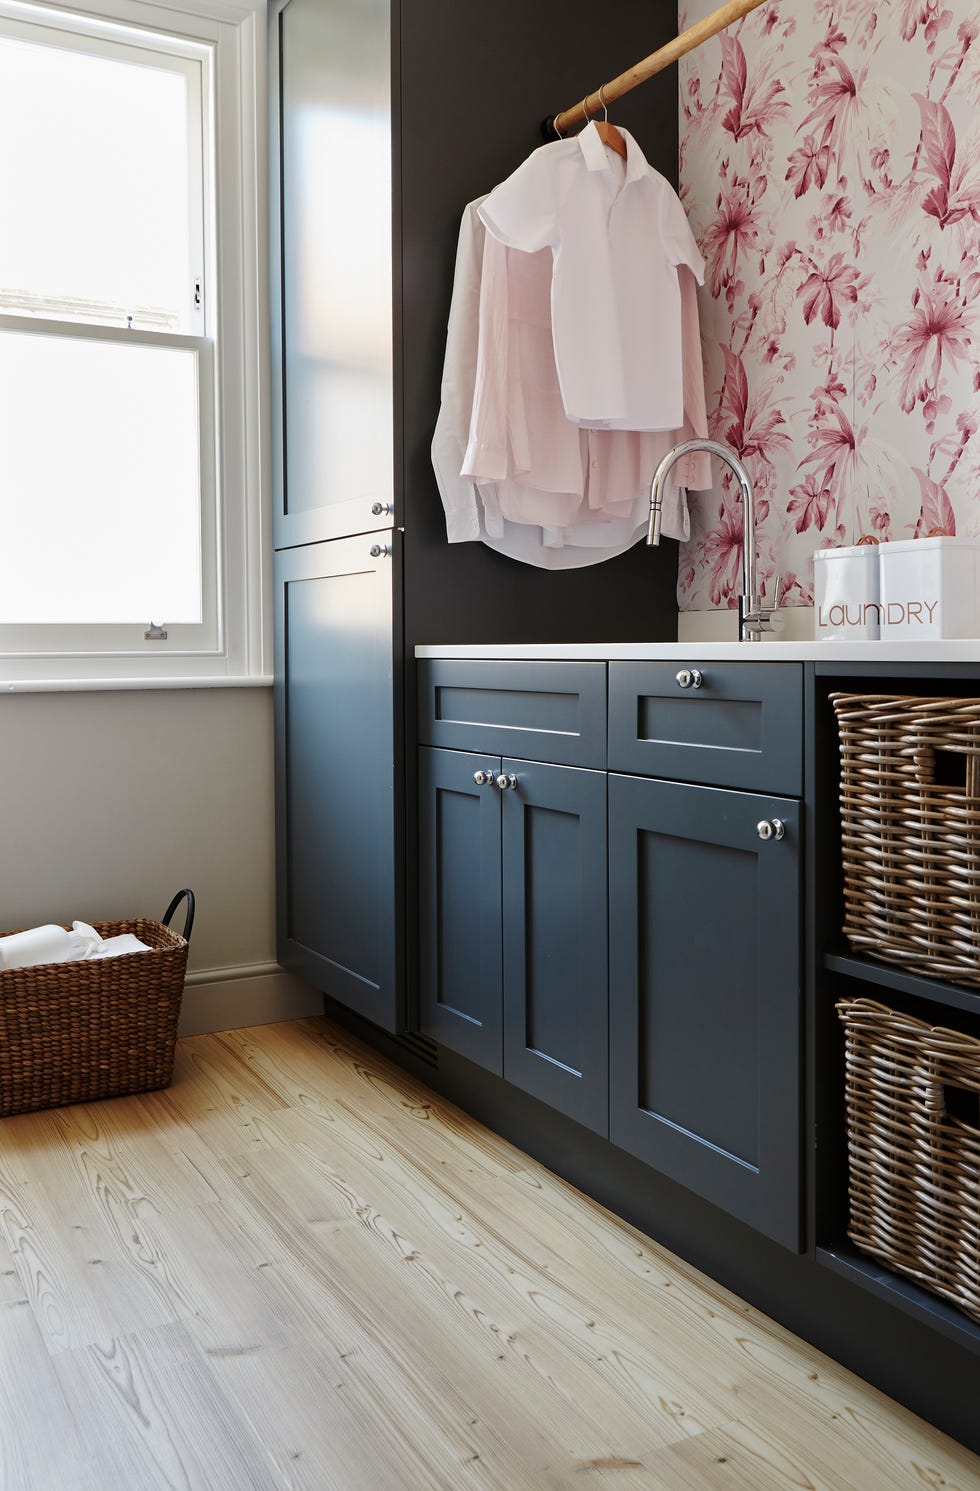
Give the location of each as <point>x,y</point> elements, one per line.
<point>594,152</point>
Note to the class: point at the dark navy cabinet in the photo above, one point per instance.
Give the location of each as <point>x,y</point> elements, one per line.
<point>554,937</point>
<point>705,993</point>
<point>513,923</point>
<point>337,792</point>
<point>460,904</point>
<point>721,724</point>
<point>623,947</point>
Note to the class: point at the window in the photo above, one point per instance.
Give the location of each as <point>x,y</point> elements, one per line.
<point>131,543</point>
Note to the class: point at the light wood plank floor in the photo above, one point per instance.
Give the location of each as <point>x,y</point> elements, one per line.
<point>299,1268</point>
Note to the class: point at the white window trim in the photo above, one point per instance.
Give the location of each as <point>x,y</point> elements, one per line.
<point>237,34</point>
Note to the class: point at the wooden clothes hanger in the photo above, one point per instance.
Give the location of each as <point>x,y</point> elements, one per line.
<point>608,133</point>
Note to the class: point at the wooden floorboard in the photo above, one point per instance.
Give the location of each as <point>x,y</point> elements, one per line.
<point>300,1268</point>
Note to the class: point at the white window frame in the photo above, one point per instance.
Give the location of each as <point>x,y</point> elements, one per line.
<point>230,40</point>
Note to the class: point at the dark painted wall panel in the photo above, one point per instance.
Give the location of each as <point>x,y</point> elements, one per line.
<point>476,82</point>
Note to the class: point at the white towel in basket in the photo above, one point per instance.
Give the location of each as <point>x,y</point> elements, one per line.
<point>53,944</point>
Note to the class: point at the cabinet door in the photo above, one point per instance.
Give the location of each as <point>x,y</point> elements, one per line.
<point>338,914</point>
<point>459,896</point>
<point>554,938</point>
<point>331,259</point>
<point>705,994</point>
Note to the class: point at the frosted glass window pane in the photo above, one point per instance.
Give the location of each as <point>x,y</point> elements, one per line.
<point>100,501</point>
<point>95,188</point>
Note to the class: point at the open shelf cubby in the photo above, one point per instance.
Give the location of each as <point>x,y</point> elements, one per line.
<point>892,976</point>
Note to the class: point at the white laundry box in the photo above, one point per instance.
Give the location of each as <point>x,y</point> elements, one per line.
<point>845,594</point>
<point>929,588</point>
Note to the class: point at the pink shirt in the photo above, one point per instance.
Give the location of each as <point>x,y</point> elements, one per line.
<point>518,429</point>
<point>617,234</point>
<point>486,509</point>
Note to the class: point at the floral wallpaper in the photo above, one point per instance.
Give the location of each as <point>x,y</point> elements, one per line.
<point>830,168</point>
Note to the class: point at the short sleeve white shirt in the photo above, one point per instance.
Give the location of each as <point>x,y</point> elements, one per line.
<point>606,509</point>
<point>618,233</point>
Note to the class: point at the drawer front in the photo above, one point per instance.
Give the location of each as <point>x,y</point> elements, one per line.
<point>538,711</point>
<point>743,727</point>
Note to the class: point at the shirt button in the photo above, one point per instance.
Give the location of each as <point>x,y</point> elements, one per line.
<point>595,465</point>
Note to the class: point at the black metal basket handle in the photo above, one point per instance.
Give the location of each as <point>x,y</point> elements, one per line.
<point>182,895</point>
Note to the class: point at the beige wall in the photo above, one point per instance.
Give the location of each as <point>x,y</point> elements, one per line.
<point>112,801</point>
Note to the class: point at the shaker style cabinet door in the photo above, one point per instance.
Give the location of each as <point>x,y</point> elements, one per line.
<point>705,993</point>
<point>338,906</point>
<point>330,195</point>
<point>459,904</point>
<point>554,937</point>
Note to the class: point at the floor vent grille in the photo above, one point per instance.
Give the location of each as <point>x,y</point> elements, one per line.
<point>421,1047</point>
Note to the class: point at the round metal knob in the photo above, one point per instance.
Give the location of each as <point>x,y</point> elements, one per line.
<point>380,551</point>
<point>481,778</point>
<point>690,678</point>
<point>380,509</point>
<point>505,780</point>
<point>771,829</point>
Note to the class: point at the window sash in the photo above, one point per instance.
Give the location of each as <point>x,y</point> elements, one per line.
<point>195,64</point>
<point>63,640</point>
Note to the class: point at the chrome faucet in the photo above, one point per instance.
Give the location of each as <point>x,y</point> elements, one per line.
<point>754,616</point>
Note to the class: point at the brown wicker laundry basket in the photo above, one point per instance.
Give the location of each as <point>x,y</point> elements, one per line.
<point>913,1130</point>
<point>910,831</point>
<point>74,1032</point>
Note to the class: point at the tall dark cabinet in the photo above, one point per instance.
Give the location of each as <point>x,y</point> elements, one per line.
<point>388,116</point>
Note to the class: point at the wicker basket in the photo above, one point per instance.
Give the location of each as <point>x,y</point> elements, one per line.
<point>914,1164</point>
<point>73,1032</point>
<point>910,830</point>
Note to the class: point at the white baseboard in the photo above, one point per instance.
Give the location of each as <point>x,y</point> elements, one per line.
<point>249,994</point>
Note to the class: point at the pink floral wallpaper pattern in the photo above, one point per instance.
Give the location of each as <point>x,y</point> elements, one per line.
<point>830,168</point>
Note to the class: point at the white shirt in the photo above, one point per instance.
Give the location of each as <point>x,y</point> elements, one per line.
<point>518,427</point>
<point>504,512</point>
<point>618,233</point>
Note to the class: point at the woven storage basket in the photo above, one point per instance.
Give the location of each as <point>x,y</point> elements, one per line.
<point>914,1166</point>
<point>73,1032</point>
<point>911,842</point>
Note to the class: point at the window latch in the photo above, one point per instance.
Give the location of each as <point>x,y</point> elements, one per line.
<point>155,633</point>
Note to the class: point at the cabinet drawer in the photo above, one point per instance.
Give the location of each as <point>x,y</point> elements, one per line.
<point>539,711</point>
<point>743,727</point>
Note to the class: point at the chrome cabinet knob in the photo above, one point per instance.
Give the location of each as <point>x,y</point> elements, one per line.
<point>505,780</point>
<point>773,828</point>
<point>380,509</point>
<point>690,678</point>
<point>380,551</point>
<point>482,777</point>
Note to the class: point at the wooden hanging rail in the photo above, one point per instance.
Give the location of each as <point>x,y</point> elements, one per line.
<point>693,37</point>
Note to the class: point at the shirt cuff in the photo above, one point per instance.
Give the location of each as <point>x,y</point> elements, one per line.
<point>484,462</point>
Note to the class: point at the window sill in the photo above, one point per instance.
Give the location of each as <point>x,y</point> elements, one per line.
<point>101,685</point>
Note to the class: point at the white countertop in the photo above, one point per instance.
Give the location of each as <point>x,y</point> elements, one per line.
<point>912,653</point>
